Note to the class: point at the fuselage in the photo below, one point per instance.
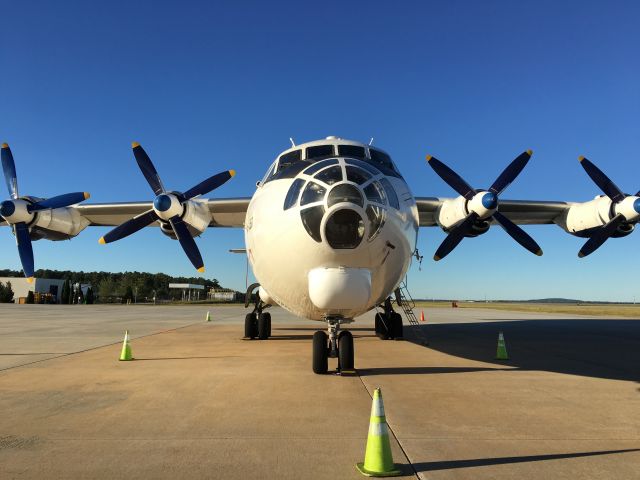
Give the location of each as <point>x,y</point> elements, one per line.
<point>331,229</point>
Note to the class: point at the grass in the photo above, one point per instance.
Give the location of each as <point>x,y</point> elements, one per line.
<point>614,310</point>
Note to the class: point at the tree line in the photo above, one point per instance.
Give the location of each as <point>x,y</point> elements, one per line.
<point>109,287</point>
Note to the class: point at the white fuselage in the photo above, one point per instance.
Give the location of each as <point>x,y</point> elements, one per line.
<point>286,258</point>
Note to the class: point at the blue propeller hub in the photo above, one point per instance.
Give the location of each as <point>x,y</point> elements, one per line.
<point>489,200</point>
<point>162,203</point>
<point>636,205</point>
<point>7,208</point>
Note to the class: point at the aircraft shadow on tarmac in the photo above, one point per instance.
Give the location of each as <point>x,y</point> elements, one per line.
<point>482,462</point>
<point>588,347</point>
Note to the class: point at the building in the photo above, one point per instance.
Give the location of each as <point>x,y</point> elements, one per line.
<point>190,292</point>
<point>44,289</point>
<point>222,295</point>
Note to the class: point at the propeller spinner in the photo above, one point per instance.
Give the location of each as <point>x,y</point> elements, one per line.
<point>167,207</point>
<point>482,205</point>
<point>626,208</point>
<point>19,212</point>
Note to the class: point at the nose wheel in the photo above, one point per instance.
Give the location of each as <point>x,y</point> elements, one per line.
<point>333,344</point>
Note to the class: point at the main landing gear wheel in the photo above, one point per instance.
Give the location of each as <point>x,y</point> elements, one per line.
<point>250,326</point>
<point>396,325</point>
<point>382,326</point>
<point>320,353</point>
<point>345,351</point>
<point>388,326</point>
<point>264,326</point>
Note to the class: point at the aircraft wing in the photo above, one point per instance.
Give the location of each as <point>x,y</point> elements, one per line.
<point>225,212</point>
<point>523,212</point>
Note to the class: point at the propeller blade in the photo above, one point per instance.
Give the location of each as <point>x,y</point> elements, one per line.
<point>509,174</point>
<point>188,243</point>
<point>455,237</point>
<point>9,169</point>
<point>606,185</point>
<point>209,184</point>
<point>129,227</point>
<point>25,249</point>
<point>59,201</point>
<point>451,178</point>
<point>517,233</point>
<point>601,235</point>
<point>148,170</point>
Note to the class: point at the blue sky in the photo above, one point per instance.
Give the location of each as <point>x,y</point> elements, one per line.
<point>207,86</point>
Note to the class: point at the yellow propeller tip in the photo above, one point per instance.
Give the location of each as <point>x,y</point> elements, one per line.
<point>101,241</point>
<point>436,258</point>
<point>134,144</point>
<point>539,253</point>
<point>232,173</point>
<point>201,269</point>
<point>529,152</point>
<point>29,279</point>
<point>86,195</point>
<point>581,158</point>
<point>429,157</point>
<point>5,145</point>
<point>580,255</point>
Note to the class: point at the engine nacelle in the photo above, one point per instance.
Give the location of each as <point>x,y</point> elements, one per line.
<point>581,219</point>
<point>57,224</point>
<point>453,211</point>
<point>195,214</point>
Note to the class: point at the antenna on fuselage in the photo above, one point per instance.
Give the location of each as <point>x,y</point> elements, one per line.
<point>371,141</point>
<point>293,144</point>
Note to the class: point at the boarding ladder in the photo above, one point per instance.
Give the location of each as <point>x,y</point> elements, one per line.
<point>407,304</point>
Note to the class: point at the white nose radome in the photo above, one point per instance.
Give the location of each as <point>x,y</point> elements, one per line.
<point>339,288</point>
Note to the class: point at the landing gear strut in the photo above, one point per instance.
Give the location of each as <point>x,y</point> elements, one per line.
<point>334,344</point>
<point>257,323</point>
<point>388,325</point>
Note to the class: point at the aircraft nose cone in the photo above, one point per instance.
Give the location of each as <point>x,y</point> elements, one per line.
<point>162,203</point>
<point>489,200</point>
<point>7,208</point>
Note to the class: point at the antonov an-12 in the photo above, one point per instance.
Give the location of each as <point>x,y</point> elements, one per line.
<point>330,231</point>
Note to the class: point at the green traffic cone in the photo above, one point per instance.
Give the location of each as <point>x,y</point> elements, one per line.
<point>378,460</point>
<point>125,354</point>
<point>501,354</point>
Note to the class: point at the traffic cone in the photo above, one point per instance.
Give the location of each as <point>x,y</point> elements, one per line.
<point>422,315</point>
<point>208,316</point>
<point>125,354</point>
<point>501,354</point>
<point>378,461</point>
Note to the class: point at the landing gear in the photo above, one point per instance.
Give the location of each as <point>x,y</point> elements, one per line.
<point>388,325</point>
<point>257,323</point>
<point>336,344</point>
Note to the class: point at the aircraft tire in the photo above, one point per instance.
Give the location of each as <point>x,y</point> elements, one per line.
<point>345,350</point>
<point>250,327</point>
<point>383,324</point>
<point>396,325</point>
<point>320,353</point>
<point>264,326</point>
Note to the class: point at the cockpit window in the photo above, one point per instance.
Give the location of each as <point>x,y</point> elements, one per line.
<point>345,193</point>
<point>294,192</point>
<point>369,168</point>
<point>320,165</point>
<point>289,159</point>
<point>391,193</point>
<point>351,151</point>
<point>381,158</point>
<point>376,216</point>
<point>357,175</point>
<point>330,175</point>
<point>311,219</point>
<point>344,229</point>
<point>312,193</point>
<point>319,151</point>
<point>375,193</point>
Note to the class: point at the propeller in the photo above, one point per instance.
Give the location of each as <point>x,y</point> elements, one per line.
<point>20,212</point>
<point>626,208</point>
<point>482,205</point>
<point>167,207</point>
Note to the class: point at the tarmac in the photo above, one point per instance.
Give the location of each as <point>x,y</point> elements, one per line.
<point>199,401</point>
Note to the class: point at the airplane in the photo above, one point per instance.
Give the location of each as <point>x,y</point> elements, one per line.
<point>330,231</point>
